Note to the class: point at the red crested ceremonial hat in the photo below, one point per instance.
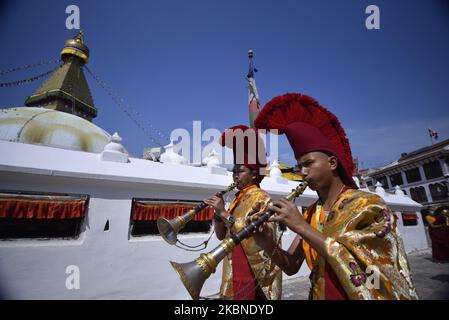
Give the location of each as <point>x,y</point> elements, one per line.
<point>247,147</point>
<point>308,127</point>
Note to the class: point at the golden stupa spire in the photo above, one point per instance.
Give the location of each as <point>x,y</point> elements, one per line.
<point>66,89</point>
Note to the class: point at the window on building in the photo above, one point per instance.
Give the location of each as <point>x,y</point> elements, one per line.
<point>383,182</point>
<point>422,194</point>
<point>413,175</point>
<point>145,212</point>
<point>419,194</point>
<point>433,170</point>
<point>413,194</point>
<point>369,183</point>
<point>409,219</point>
<point>396,179</point>
<point>438,191</point>
<point>28,215</point>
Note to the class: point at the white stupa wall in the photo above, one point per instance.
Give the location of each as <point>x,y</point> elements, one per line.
<point>112,265</point>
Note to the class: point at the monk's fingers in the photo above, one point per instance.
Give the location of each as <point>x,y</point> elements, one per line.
<point>276,208</point>
<point>209,200</point>
<point>282,204</point>
<point>284,200</point>
<point>287,206</point>
<point>285,203</point>
<point>275,218</point>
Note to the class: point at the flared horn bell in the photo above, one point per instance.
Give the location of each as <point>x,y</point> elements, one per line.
<point>192,276</point>
<point>169,229</point>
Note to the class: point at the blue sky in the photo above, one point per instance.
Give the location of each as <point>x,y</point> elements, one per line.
<point>175,62</point>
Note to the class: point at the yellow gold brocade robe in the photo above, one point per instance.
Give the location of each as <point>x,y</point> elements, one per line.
<point>269,276</point>
<point>363,244</point>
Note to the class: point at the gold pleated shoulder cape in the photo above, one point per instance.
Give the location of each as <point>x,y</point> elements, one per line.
<point>363,244</point>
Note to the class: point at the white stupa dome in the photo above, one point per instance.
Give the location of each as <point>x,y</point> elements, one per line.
<point>51,128</point>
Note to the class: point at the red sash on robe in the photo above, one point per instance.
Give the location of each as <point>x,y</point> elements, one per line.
<point>333,290</point>
<point>243,280</point>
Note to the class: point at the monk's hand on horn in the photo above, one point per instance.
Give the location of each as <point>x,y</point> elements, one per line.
<point>287,213</point>
<point>216,202</point>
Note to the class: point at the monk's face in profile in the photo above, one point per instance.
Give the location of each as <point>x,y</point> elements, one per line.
<point>318,169</point>
<point>243,176</point>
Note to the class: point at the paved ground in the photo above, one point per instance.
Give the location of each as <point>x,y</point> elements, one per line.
<point>431,279</point>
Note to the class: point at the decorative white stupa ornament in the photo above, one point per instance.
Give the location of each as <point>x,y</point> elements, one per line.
<point>276,173</point>
<point>379,189</point>
<point>170,156</point>
<point>398,191</point>
<point>212,162</point>
<point>212,159</point>
<point>114,150</point>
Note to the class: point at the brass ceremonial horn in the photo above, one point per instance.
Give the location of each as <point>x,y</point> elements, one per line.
<point>169,228</point>
<point>194,274</point>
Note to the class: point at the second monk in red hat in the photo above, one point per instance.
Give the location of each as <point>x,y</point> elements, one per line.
<point>247,273</point>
